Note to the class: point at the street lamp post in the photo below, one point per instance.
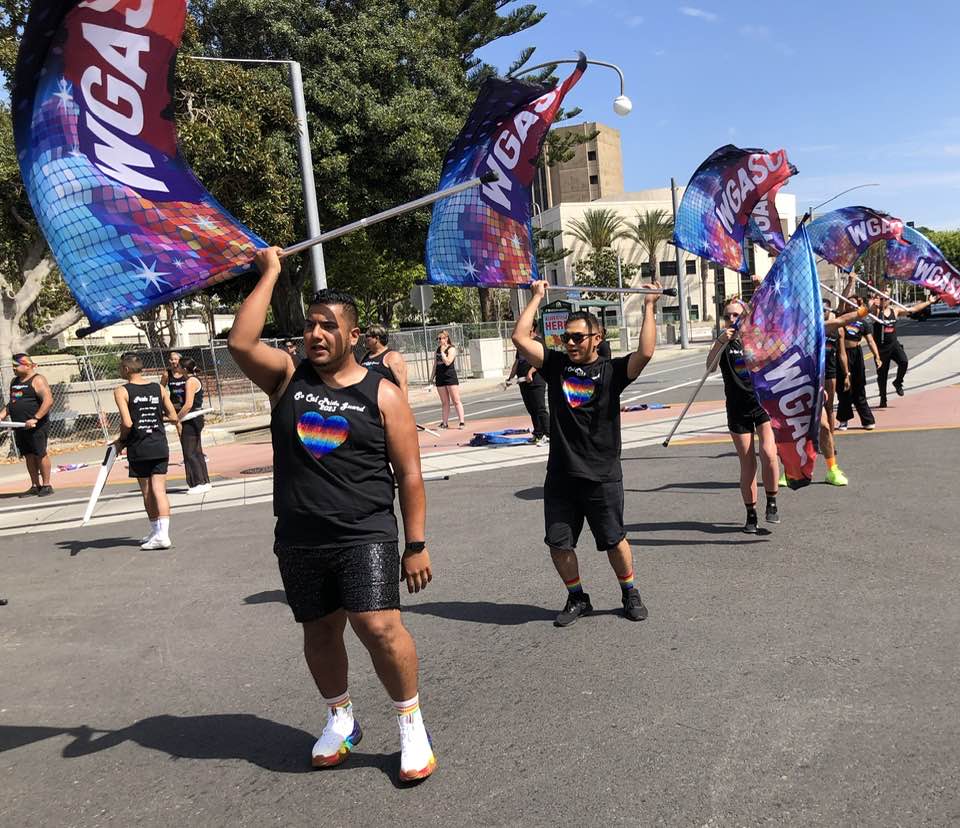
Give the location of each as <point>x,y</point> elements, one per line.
<point>295,79</point>
<point>681,277</point>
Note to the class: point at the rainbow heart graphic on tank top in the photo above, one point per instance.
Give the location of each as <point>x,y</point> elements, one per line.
<point>578,390</point>
<point>320,435</point>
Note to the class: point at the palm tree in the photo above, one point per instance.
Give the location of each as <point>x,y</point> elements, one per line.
<point>650,230</point>
<point>599,229</point>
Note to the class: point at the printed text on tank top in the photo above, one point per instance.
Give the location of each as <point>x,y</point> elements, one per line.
<point>378,365</point>
<point>886,334</point>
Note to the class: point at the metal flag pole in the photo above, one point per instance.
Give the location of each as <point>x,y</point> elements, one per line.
<point>879,293</point>
<point>423,201</point>
<point>848,301</point>
<point>619,290</point>
<point>681,277</point>
<point>710,369</point>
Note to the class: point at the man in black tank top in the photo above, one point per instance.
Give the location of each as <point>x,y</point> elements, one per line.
<point>30,401</point>
<point>337,430</point>
<point>380,359</point>
<point>143,405</point>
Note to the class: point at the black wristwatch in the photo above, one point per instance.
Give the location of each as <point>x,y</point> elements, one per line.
<point>415,546</point>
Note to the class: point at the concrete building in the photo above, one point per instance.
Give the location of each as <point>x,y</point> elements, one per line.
<point>595,171</point>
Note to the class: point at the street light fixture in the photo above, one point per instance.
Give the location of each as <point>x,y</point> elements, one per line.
<point>622,105</point>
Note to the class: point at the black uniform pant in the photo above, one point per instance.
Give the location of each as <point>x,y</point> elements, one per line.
<point>856,397</point>
<point>894,353</point>
<point>535,400</point>
<point>193,462</point>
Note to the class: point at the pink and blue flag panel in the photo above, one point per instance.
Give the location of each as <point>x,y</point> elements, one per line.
<point>921,262</point>
<point>783,345</point>
<point>482,237</point>
<point>843,236</point>
<point>764,226</point>
<point>718,202</point>
<point>127,221</point>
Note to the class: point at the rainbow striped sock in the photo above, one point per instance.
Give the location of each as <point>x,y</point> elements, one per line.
<point>340,702</point>
<point>408,707</point>
<point>574,586</point>
<point>626,581</point>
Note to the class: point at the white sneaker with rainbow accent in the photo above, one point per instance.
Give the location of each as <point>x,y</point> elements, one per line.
<point>416,752</point>
<point>341,735</point>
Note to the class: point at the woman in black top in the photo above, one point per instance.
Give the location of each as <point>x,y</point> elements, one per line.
<point>889,346</point>
<point>198,479</point>
<point>745,416</point>
<point>444,376</point>
<point>533,390</point>
<point>853,394</point>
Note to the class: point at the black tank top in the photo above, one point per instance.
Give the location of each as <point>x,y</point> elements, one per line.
<point>378,366</point>
<point>886,334</point>
<point>830,345</point>
<point>197,395</point>
<point>446,374</point>
<point>147,440</point>
<point>332,482</point>
<point>177,386</point>
<point>24,401</point>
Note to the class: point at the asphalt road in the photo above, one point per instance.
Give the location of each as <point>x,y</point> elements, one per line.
<point>672,381</point>
<point>807,676</point>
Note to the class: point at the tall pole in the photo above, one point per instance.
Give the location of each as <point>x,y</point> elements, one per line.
<point>306,175</point>
<point>624,330</point>
<point>681,281</point>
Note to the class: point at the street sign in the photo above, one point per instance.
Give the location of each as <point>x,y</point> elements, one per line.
<point>421,297</point>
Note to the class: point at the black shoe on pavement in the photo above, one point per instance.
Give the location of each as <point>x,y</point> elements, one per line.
<point>898,387</point>
<point>633,607</point>
<point>750,527</point>
<point>574,608</point>
<point>771,515</point>
<point>883,403</point>
<point>45,491</point>
<point>33,490</point>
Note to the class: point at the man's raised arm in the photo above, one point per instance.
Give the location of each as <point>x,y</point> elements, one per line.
<point>268,368</point>
<point>526,344</point>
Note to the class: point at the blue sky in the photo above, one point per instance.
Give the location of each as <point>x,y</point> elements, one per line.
<point>857,92</point>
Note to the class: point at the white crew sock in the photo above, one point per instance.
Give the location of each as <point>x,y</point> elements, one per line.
<point>163,527</point>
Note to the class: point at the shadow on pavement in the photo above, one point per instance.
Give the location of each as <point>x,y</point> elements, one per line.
<point>692,526</point>
<point>78,546</point>
<point>533,493</point>
<point>270,596</point>
<point>707,485</point>
<point>484,612</point>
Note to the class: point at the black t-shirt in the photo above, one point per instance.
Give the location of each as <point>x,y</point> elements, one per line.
<point>737,384</point>
<point>446,374</point>
<point>332,482</point>
<point>585,415</point>
<point>24,401</point>
<point>177,386</point>
<point>886,334</point>
<point>146,440</point>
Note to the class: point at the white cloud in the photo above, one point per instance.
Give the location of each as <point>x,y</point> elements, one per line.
<point>751,30</point>
<point>691,11</point>
<point>634,21</point>
<point>659,52</point>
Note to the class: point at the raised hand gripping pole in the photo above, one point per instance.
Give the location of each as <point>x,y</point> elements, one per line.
<point>880,293</point>
<point>848,301</point>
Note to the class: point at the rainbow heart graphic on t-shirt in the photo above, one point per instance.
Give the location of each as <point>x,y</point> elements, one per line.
<point>320,435</point>
<point>578,390</point>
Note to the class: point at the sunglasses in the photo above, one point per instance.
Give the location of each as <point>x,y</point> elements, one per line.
<point>731,316</point>
<point>575,338</point>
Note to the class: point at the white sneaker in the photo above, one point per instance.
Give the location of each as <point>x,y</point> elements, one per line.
<point>416,753</point>
<point>341,735</point>
<point>199,489</point>
<point>146,539</point>
<point>157,542</point>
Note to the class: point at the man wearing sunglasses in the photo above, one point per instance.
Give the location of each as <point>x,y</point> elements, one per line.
<point>584,479</point>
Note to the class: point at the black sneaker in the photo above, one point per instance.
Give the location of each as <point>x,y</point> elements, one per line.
<point>574,608</point>
<point>750,527</point>
<point>898,387</point>
<point>883,404</point>
<point>771,515</point>
<point>33,490</point>
<point>633,607</point>
<point>45,491</point>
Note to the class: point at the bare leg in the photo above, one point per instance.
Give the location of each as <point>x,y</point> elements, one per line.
<point>45,469</point>
<point>149,506</point>
<point>565,562</point>
<point>621,558</point>
<point>444,392</point>
<point>32,468</point>
<point>829,396</point>
<point>769,465</point>
<point>826,437</point>
<point>158,487</point>
<point>454,391</point>
<point>326,654</point>
<point>391,649</point>
<point>748,467</point>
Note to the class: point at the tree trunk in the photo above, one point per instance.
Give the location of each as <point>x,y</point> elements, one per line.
<point>287,305</point>
<point>487,308</point>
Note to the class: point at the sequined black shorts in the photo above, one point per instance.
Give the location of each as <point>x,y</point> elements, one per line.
<point>355,578</point>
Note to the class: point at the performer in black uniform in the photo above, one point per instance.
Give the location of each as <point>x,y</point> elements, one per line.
<point>835,355</point>
<point>533,391</point>
<point>603,349</point>
<point>30,401</point>
<point>584,477</point>
<point>444,376</point>
<point>142,405</point>
<point>890,348</point>
<point>745,416</point>
<point>337,430</point>
<point>291,348</point>
<point>382,360</point>
<point>194,463</point>
<point>854,394</point>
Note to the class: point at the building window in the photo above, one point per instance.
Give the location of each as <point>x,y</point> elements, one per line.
<point>668,268</point>
<point>691,266</point>
<point>594,181</point>
<point>553,277</point>
<point>646,271</point>
<point>591,155</point>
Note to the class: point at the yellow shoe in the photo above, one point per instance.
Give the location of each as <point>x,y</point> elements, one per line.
<point>782,482</point>
<point>835,477</point>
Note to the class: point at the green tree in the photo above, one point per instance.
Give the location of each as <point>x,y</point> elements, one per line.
<point>599,269</point>
<point>598,229</point>
<point>651,230</point>
<point>949,243</point>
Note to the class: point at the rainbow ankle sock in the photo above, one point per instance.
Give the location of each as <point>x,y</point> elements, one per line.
<point>574,586</point>
<point>408,707</point>
<point>341,702</point>
<point>626,581</point>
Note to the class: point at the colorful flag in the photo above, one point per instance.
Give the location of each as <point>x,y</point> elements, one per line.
<point>483,237</point>
<point>764,226</point>
<point>843,236</point>
<point>720,198</point>
<point>921,262</point>
<point>128,223</point>
<point>783,345</point>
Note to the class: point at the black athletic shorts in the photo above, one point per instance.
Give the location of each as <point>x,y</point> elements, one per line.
<point>567,501</point>
<point>355,578</point>
<point>147,468</point>
<point>32,440</point>
<point>830,366</point>
<point>746,420</point>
